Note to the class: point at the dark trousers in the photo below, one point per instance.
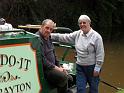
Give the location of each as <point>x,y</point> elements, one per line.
<point>58,79</point>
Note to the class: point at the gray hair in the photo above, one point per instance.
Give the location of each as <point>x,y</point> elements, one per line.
<point>84,17</point>
<point>46,20</point>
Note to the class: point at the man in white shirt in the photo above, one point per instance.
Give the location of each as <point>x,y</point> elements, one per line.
<point>4,25</point>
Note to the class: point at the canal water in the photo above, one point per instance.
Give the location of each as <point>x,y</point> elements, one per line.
<point>113,68</point>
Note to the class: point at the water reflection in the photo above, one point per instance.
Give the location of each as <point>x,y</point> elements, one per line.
<point>113,67</point>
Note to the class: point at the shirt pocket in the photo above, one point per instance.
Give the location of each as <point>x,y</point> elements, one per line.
<point>91,47</point>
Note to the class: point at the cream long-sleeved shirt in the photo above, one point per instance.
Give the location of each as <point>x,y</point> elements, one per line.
<point>89,47</point>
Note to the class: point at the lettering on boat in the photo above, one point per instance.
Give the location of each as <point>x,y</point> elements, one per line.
<point>18,69</point>
<point>18,88</point>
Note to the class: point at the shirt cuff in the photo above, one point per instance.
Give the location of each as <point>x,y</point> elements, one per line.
<point>97,69</point>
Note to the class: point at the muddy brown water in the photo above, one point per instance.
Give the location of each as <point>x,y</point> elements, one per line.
<point>113,68</point>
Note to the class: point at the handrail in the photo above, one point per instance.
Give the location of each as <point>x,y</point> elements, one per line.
<point>29,26</point>
<point>66,45</point>
<point>13,30</point>
<point>56,29</point>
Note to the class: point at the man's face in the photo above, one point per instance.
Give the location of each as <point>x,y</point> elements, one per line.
<point>47,29</point>
<point>84,25</point>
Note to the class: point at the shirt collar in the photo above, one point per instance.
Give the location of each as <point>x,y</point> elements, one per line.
<point>88,34</point>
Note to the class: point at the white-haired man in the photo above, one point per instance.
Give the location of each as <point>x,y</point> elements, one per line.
<point>90,54</point>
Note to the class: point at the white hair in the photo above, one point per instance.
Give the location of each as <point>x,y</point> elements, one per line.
<point>84,17</point>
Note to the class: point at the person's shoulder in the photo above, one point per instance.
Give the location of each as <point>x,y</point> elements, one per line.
<point>37,33</point>
<point>96,35</point>
<point>76,32</point>
<point>6,26</point>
